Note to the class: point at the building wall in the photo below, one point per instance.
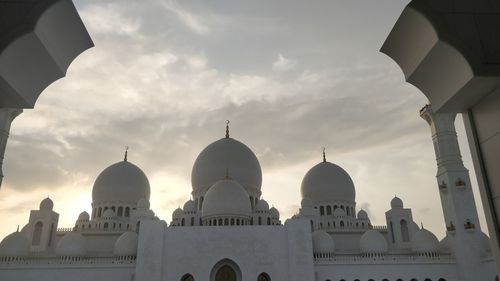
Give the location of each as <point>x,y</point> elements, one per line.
<point>59,273</point>
<point>283,252</point>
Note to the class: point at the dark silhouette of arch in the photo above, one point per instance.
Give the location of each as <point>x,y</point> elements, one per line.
<point>225,270</point>
<point>187,277</point>
<point>37,234</point>
<point>263,277</point>
<point>404,231</point>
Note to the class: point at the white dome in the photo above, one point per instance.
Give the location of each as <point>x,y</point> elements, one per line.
<point>424,242</point>
<point>322,242</point>
<point>372,242</point>
<point>396,203</point>
<point>72,244</point>
<point>126,244</point>
<point>327,182</point>
<point>109,214</point>
<point>189,206</point>
<point>84,216</point>
<point>15,245</point>
<point>177,214</point>
<point>262,206</point>
<point>46,204</point>
<point>226,198</point>
<point>121,182</point>
<point>362,215</point>
<point>306,203</point>
<point>339,212</point>
<point>143,204</point>
<point>274,213</point>
<point>226,153</point>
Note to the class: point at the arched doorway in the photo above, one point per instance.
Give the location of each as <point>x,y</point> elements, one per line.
<point>225,270</point>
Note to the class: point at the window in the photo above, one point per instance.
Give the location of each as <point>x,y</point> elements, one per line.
<point>201,202</point>
<point>183,222</point>
<point>321,210</point>
<point>413,279</point>
<point>226,221</point>
<point>404,231</point>
<point>268,221</point>
<point>442,279</point>
<point>232,221</point>
<point>99,212</point>
<point>127,211</point>
<point>341,224</point>
<point>263,277</point>
<point>192,221</point>
<point>328,210</point>
<point>120,211</point>
<point>260,220</point>
<point>51,234</point>
<point>392,233</point>
<point>106,226</point>
<point>37,234</point>
<point>113,208</point>
<point>225,273</point>
<point>187,277</point>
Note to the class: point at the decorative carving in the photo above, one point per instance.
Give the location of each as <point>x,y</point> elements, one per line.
<point>442,186</point>
<point>460,183</point>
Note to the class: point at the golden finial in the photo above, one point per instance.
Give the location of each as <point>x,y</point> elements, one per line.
<point>324,155</point>
<point>227,129</point>
<point>126,154</point>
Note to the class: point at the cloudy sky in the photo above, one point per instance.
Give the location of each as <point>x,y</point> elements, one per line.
<point>292,76</point>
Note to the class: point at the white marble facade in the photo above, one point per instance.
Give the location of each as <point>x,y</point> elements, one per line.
<point>227,232</point>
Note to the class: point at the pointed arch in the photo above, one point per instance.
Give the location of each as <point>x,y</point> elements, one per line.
<point>405,235</point>
<point>225,270</point>
<point>263,277</point>
<point>37,234</point>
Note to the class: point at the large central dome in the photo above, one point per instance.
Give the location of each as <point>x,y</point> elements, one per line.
<point>121,182</point>
<point>226,153</point>
<point>327,182</point>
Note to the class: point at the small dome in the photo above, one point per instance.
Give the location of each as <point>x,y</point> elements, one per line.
<point>143,204</point>
<point>72,244</point>
<point>327,182</point>
<point>396,203</point>
<point>46,204</point>
<point>339,212</point>
<point>126,244</point>
<point>372,242</point>
<point>322,242</point>
<point>274,213</point>
<point>226,153</point>
<point>84,216</point>
<point>15,245</point>
<point>227,198</point>
<point>189,206</point>
<point>121,182</point>
<point>424,242</point>
<point>362,215</point>
<point>306,203</point>
<point>444,245</point>
<point>262,206</point>
<point>109,214</point>
<point>177,214</point>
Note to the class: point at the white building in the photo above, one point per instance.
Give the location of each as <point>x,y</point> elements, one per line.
<point>227,232</point>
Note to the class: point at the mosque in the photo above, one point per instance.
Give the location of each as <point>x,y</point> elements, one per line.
<point>227,232</point>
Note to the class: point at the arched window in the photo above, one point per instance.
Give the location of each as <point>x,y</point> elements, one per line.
<point>51,234</point>
<point>99,212</point>
<point>37,234</point>
<point>113,208</point>
<point>187,277</point>
<point>226,221</point>
<point>334,207</point>
<point>356,279</point>
<point>120,211</point>
<point>201,202</point>
<point>328,210</point>
<point>106,226</point>
<point>321,210</point>
<point>263,277</point>
<point>268,221</point>
<point>385,279</point>
<point>342,207</point>
<point>320,225</point>
<point>392,233</point>
<point>137,227</point>
<point>260,221</point>
<point>192,221</point>
<point>427,279</point>
<point>127,211</point>
<point>413,279</point>
<point>232,221</point>
<point>371,280</point>
<point>105,208</point>
<point>237,221</point>
<point>399,279</point>
<point>312,225</point>
<point>404,231</point>
<point>442,279</point>
<point>183,222</point>
<point>348,211</point>
<point>341,224</point>
<point>225,270</point>
<point>220,221</point>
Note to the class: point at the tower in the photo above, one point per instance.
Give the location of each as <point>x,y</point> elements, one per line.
<point>401,225</point>
<point>457,199</point>
<point>42,227</point>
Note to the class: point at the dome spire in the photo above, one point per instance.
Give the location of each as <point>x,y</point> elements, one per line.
<point>324,155</point>
<point>126,154</point>
<point>227,129</point>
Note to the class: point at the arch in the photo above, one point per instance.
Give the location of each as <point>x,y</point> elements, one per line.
<point>328,210</point>
<point>127,211</point>
<point>405,236</point>
<point>183,222</point>
<point>385,279</point>
<point>120,211</point>
<point>442,279</point>
<point>342,207</point>
<point>226,221</point>
<point>37,234</point>
<point>201,202</point>
<point>321,210</point>
<point>268,221</point>
<point>399,279</point>
<point>187,277</point>
<point>427,279</point>
<point>263,277</point>
<point>106,225</point>
<point>225,270</point>
<point>99,212</point>
<point>341,223</point>
<point>413,279</point>
<point>192,221</point>
<point>312,225</point>
<point>220,222</point>
<point>232,221</point>
<point>260,220</point>
<point>371,280</point>
<point>137,227</point>
<point>113,208</point>
<point>393,239</point>
<point>348,211</point>
<point>237,221</point>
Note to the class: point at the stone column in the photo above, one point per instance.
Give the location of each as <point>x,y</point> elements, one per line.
<point>7,115</point>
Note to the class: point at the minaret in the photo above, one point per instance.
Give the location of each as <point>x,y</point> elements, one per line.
<point>457,199</point>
